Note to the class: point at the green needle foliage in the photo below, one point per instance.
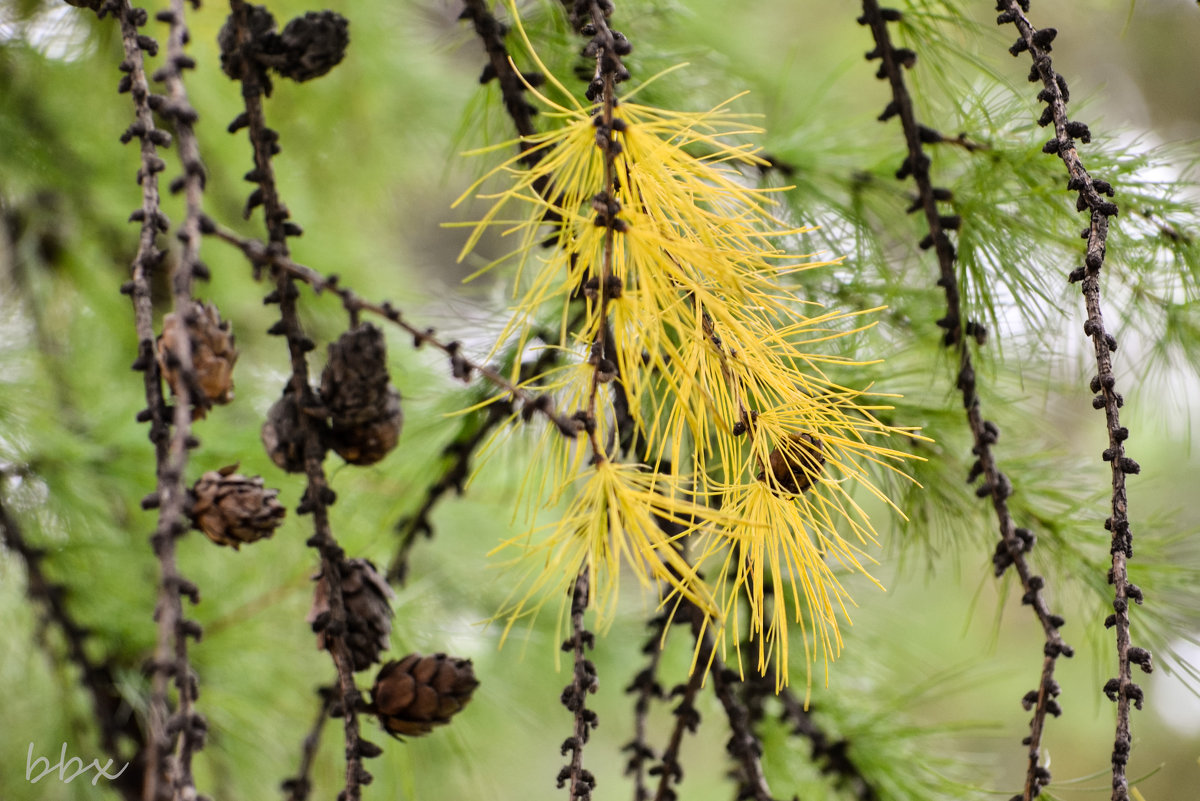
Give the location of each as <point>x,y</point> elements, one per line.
<point>754,364</point>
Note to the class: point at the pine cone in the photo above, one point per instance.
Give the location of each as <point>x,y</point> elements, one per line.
<point>796,463</point>
<point>283,434</point>
<point>364,408</point>
<point>367,598</point>
<point>313,45</point>
<point>213,355</point>
<point>419,692</point>
<point>231,509</point>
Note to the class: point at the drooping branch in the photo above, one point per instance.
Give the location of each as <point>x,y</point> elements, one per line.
<point>461,365</point>
<point>172,737</point>
<point>1092,193</point>
<point>115,720</point>
<point>687,719</point>
<point>1015,543</point>
<point>299,787</point>
<point>645,688</point>
<point>574,695</point>
<point>241,44</point>
<point>743,745</point>
<point>833,756</point>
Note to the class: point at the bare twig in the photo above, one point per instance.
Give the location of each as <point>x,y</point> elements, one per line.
<point>574,695</point>
<point>115,720</point>
<point>1092,199</point>
<point>743,745</point>
<point>318,495</point>
<point>461,365</point>
<point>646,688</point>
<point>1015,542</point>
<point>183,731</point>
<point>299,787</point>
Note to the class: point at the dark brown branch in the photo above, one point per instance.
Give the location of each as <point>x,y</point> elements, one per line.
<point>460,451</point>
<point>115,721</point>
<point>832,756</point>
<point>183,731</point>
<point>1015,542</point>
<point>461,365</point>
<point>512,84</point>
<point>646,688</point>
<point>1092,199</point>
<point>299,787</point>
<point>743,745</point>
<point>318,495</point>
<point>574,695</point>
<point>687,719</point>
<point>176,108</point>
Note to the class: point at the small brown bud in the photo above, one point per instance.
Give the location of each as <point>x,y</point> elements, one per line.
<point>796,462</point>
<point>232,509</point>
<point>213,355</point>
<point>415,694</point>
<point>367,598</point>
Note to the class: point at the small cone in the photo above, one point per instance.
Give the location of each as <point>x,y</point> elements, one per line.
<point>364,408</point>
<point>283,434</point>
<point>796,463</point>
<point>213,355</point>
<point>313,45</point>
<point>232,509</point>
<point>415,694</point>
<point>367,598</point>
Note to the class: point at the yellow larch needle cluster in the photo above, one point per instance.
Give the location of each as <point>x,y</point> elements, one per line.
<point>745,445</point>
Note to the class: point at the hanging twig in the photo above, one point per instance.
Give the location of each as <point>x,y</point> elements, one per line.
<point>1091,199</point>
<point>183,731</point>
<point>318,495</point>
<point>574,695</point>
<point>687,719</point>
<point>743,745</point>
<point>646,688</point>
<point>462,366</point>
<point>115,720</point>
<point>1015,542</point>
<point>299,787</point>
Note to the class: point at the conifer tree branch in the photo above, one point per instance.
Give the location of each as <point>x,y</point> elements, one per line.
<point>512,84</point>
<point>832,756</point>
<point>461,366</point>
<point>646,688</point>
<point>176,108</point>
<point>167,774</point>
<point>1091,199</point>
<point>574,695</point>
<point>687,719</point>
<point>299,787</point>
<point>1015,542</point>
<point>460,451</point>
<point>743,745</point>
<point>318,495</point>
<point>115,721</point>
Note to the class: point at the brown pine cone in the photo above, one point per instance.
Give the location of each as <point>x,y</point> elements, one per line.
<point>213,355</point>
<point>231,509</point>
<point>367,598</point>
<point>313,45</point>
<point>415,694</point>
<point>364,408</point>
<point>796,462</point>
<point>283,434</point>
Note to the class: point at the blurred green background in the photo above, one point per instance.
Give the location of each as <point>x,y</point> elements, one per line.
<point>933,670</point>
